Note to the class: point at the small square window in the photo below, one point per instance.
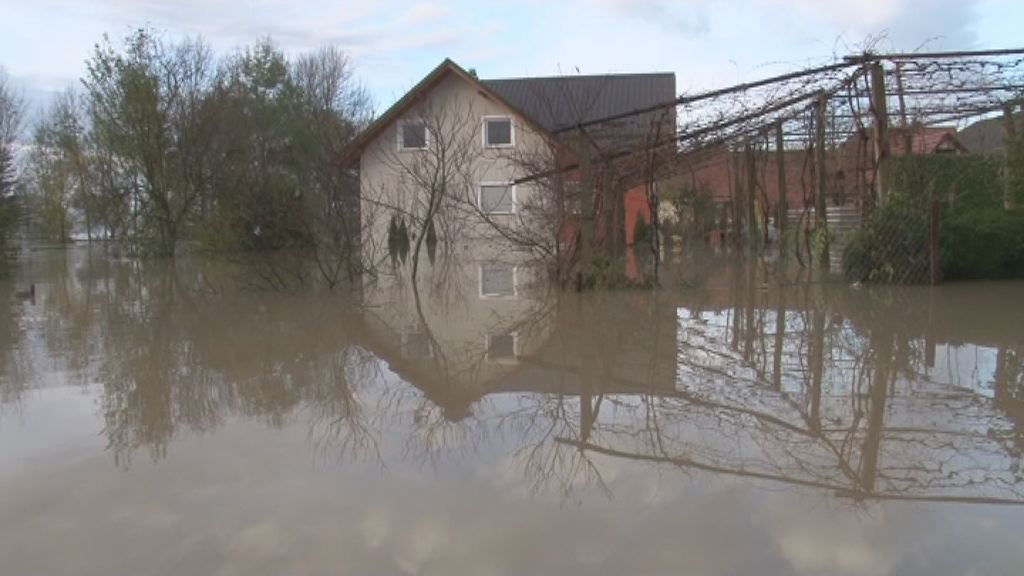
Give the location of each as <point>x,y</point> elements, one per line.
<point>501,346</point>
<point>412,135</point>
<point>497,199</point>
<point>497,132</point>
<point>497,281</point>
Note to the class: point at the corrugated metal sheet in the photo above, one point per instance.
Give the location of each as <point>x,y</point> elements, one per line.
<point>563,101</point>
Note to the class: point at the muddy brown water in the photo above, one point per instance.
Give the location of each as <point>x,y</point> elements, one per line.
<point>162,418</point>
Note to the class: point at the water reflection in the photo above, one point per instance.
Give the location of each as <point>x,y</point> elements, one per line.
<point>856,394</point>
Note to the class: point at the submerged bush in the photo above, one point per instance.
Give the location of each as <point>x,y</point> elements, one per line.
<point>985,243</point>
<point>979,238</point>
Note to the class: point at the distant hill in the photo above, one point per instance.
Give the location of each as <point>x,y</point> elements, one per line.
<point>987,136</point>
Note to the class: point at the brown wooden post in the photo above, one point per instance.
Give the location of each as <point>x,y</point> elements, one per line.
<point>783,209</point>
<point>749,196</point>
<point>737,197</point>
<point>821,179</point>
<point>929,333</point>
<point>1009,193</point>
<point>908,135</point>
<point>780,339</point>
<point>816,351</point>
<point>882,151</point>
<point>934,249</point>
<point>586,236</point>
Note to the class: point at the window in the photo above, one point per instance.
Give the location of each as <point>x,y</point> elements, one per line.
<point>497,281</point>
<point>498,132</point>
<point>501,346</point>
<point>416,345</point>
<point>412,135</point>
<point>497,199</point>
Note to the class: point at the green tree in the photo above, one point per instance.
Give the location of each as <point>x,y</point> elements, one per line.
<point>12,110</point>
<point>144,103</point>
<point>58,168</point>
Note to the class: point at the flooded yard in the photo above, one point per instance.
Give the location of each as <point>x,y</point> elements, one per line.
<point>170,418</point>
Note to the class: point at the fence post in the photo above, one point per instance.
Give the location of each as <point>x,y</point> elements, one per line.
<point>587,217</point>
<point>738,226</point>
<point>820,180</point>
<point>934,246</point>
<point>881,130</point>
<point>783,209</point>
<point>748,199</point>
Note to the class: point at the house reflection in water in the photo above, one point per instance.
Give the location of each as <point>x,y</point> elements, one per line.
<point>860,394</point>
<point>461,327</point>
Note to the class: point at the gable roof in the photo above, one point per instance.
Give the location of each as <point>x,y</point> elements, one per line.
<point>924,140</point>
<point>444,69</point>
<point>546,104</point>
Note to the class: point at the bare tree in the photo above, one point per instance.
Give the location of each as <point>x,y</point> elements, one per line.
<point>334,109</point>
<point>429,189</point>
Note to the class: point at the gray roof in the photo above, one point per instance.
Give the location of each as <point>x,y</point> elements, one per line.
<point>561,102</point>
<point>988,136</point>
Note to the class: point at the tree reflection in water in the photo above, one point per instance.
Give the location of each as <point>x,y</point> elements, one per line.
<point>908,394</point>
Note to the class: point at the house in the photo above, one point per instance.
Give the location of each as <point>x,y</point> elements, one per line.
<point>721,171</point>
<point>922,141</point>
<point>482,144</point>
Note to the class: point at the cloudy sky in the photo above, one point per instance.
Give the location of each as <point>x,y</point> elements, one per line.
<point>43,43</point>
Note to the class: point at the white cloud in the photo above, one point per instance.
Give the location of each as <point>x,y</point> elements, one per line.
<point>689,18</point>
<point>425,12</point>
<point>906,24</point>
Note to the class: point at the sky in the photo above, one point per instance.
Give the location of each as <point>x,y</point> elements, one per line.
<point>44,43</point>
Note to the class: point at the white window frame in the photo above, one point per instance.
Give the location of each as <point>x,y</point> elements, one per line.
<point>400,143</point>
<point>503,359</point>
<point>480,197</point>
<point>511,130</point>
<point>480,285</point>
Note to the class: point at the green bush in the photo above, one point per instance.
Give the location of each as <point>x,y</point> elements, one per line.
<point>979,238</point>
<point>963,181</point>
<point>641,230</point>
<point>697,210</point>
<point>985,243</point>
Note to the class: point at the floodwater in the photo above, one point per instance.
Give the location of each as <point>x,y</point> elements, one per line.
<point>172,419</point>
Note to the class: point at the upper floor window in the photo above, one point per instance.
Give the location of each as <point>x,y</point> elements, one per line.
<point>498,132</point>
<point>497,280</point>
<point>412,135</point>
<point>497,199</point>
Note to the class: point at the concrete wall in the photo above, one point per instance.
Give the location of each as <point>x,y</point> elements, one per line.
<point>455,109</point>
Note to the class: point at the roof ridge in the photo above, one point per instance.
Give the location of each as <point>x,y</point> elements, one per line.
<point>581,76</point>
